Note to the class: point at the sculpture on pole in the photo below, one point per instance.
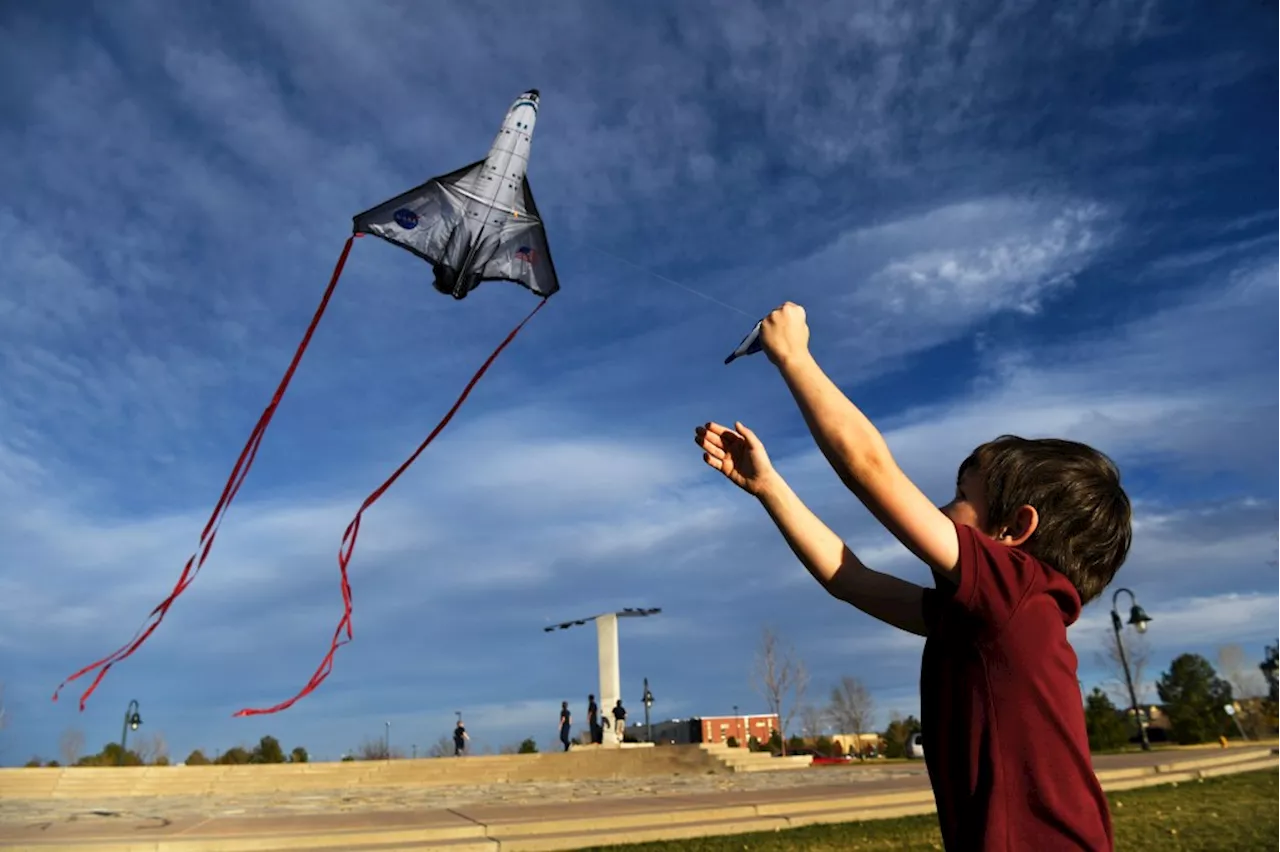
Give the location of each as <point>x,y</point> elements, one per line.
<point>607,656</point>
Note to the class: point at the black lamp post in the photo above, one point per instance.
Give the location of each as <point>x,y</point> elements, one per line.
<point>648,703</point>
<point>1139,619</point>
<point>1269,668</point>
<point>1271,672</point>
<point>131,722</point>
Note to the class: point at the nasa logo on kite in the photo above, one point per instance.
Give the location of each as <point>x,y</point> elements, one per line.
<point>473,225</point>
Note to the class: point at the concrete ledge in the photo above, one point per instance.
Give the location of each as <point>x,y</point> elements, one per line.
<point>543,828</point>
<point>586,763</point>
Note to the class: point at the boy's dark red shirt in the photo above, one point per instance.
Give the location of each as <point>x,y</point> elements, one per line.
<point>1002,717</point>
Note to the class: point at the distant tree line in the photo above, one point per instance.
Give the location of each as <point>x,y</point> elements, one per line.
<point>1193,697</point>
<point>152,751</point>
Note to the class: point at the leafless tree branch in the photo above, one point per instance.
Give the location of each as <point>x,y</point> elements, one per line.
<point>852,706</point>
<point>1139,654</point>
<point>71,746</point>
<point>781,679</point>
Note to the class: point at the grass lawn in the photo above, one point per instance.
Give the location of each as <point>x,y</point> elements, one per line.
<point>1234,813</point>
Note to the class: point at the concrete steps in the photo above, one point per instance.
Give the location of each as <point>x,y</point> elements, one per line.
<point>745,760</point>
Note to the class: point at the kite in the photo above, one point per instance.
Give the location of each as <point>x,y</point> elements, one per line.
<point>473,225</point>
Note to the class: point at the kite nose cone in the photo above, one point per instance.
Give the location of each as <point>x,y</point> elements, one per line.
<point>534,92</point>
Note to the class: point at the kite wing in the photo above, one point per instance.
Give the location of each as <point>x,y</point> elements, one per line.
<point>516,250</point>
<point>454,222</point>
<point>430,220</point>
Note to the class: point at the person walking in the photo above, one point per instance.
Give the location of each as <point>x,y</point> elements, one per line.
<point>460,738</point>
<point>565,719</point>
<point>619,719</point>
<point>593,720</point>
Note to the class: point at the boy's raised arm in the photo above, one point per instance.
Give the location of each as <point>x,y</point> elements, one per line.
<point>855,448</point>
<point>741,457</point>
<point>831,562</point>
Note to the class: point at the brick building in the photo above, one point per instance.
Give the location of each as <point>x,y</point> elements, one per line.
<point>712,729</point>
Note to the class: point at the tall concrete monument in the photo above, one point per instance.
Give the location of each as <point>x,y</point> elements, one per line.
<point>607,659</point>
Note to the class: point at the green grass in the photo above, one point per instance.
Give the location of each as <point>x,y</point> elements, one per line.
<point>1233,813</point>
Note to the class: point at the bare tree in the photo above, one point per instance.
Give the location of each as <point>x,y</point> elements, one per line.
<point>375,748</point>
<point>71,746</point>
<point>442,747</point>
<point>372,749</point>
<point>852,707</point>
<point>1247,685</point>
<point>1138,653</point>
<point>144,747</point>
<point>159,748</point>
<point>811,721</point>
<point>1245,678</point>
<point>780,676</point>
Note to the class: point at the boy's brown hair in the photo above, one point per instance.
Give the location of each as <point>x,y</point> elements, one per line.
<point>1085,525</point>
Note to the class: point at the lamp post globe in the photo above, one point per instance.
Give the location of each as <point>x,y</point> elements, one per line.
<point>648,704</point>
<point>132,721</point>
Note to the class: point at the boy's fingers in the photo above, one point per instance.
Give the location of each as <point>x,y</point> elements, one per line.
<point>706,439</point>
<point>748,436</point>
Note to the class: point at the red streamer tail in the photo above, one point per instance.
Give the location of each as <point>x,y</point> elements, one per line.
<point>353,529</point>
<point>229,491</point>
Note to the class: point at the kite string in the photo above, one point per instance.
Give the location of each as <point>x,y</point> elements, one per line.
<point>238,474</point>
<point>662,277</point>
<point>348,545</point>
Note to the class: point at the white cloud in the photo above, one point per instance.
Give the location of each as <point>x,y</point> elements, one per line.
<point>902,287</point>
<point>1189,622</point>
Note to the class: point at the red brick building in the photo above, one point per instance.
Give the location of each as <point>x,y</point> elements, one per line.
<point>718,729</point>
<point>711,729</point>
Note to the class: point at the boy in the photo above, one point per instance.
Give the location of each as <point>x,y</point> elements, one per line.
<point>1036,529</point>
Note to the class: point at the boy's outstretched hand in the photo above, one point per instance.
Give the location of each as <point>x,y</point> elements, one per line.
<point>737,453</point>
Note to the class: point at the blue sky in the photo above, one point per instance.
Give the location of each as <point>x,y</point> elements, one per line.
<point>1017,217</point>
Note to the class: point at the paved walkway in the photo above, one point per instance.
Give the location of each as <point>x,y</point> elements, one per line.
<point>406,798</point>
<point>526,816</point>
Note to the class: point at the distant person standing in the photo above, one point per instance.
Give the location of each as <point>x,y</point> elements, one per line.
<point>593,720</point>
<point>619,719</point>
<point>565,720</point>
<point>460,738</point>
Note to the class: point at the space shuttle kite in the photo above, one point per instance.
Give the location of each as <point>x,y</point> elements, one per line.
<point>479,223</point>
<point>473,225</point>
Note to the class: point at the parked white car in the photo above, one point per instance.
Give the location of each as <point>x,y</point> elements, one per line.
<point>915,747</point>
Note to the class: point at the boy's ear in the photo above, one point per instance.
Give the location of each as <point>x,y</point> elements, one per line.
<point>1025,521</point>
